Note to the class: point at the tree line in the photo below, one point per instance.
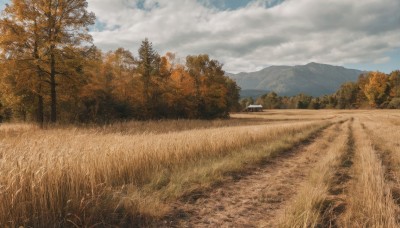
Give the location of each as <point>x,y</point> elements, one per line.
<point>51,72</point>
<point>371,90</point>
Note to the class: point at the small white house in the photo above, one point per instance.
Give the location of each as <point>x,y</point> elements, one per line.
<point>254,108</point>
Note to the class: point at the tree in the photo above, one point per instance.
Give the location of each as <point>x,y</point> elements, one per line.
<point>233,95</point>
<point>362,100</point>
<point>302,101</point>
<point>210,86</point>
<point>44,34</point>
<point>394,103</point>
<point>149,63</point>
<point>270,101</point>
<point>182,93</point>
<point>315,103</point>
<point>195,66</point>
<point>394,80</point>
<point>245,102</point>
<point>122,67</point>
<point>22,57</point>
<point>66,23</point>
<point>377,88</point>
<point>347,95</point>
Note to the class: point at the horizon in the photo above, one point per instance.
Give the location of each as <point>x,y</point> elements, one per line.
<point>308,64</point>
<point>262,33</point>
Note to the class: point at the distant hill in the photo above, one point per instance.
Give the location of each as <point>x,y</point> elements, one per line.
<point>313,79</point>
<point>254,93</point>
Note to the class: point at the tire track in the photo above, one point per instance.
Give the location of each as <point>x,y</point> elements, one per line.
<point>320,201</point>
<point>390,166</point>
<point>370,200</point>
<point>260,195</point>
<point>335,204</point>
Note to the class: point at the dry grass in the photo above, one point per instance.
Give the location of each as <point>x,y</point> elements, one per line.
<point>167,126</point>
<point>359,193</point>
<point>371,204</point>
<point>289,115</point>
<point>382,132</point>
<point>131,173</point>
<point>75,177</point>
<point>313,199</point>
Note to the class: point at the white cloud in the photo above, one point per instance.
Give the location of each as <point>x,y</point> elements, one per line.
<point>382,60</point>
<point>249,38</point>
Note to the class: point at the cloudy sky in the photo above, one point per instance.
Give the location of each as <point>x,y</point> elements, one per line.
<point>248,35</point>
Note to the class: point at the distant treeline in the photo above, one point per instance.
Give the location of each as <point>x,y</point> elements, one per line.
<point>372,90</point>
<point>117,86</point>
<point>50,72</point>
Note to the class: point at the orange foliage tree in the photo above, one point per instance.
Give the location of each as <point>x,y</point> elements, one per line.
<point>43,38</point>
<point>377,88</point>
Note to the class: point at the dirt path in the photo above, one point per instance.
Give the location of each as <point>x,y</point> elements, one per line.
<point>370,202</point>
<point>261,196</point>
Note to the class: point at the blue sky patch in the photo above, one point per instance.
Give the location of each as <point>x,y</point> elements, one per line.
<point>3,4</point>
<point>237,4</point>
<point>386,67</point>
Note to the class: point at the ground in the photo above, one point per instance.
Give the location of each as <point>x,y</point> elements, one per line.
<point>278,168</point>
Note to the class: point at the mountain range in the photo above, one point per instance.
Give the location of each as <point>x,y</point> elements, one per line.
<point>313,79</point>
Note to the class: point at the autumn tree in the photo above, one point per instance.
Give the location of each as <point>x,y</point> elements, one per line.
<point>315,103</point>
<point>182,99</point>
<point>233,95</point>
<point>66,23</point>
<point>163,87</point>
<point>394,79</point>
<point>270,101</point>
<point>45,35</point>
<point>210,86</point>
<point>195,66</point>
<point>22,56</point>
<point>94,91</point>
<point>148,68</point>
<point>302,101</point>
<point>111,89</point>
<point>121,67</point>
<point>362,100</point>
<point>347,95</point>
<point>377,88</point>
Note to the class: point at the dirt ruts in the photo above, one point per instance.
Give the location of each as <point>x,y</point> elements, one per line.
<point>336,202</point>
<point>259,198</point>
<point>385,154</point>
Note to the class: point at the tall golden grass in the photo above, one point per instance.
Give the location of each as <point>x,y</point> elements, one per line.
<point>125,174</point>
<point>82,177</point>
<point>312,199</point>
<point>371,203</point>
<point>362,194</point>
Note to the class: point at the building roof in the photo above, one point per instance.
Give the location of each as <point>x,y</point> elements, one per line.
<point>255,106</point>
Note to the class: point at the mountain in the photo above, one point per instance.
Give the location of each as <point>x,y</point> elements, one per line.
<point>313,79</point>
<point>254,93</point>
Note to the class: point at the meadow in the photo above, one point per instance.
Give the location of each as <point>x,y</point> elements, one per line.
<point>284,168</point>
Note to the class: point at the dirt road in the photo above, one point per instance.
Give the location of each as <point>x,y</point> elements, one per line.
<point>259,198</point>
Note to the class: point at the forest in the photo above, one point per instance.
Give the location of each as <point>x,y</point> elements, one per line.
<point>51,72</point>
<point>371,90</point>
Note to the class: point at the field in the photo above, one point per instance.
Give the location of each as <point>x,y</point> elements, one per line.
<point>286,168</point>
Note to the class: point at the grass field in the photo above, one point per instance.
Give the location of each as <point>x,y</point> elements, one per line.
<point>279,168</point>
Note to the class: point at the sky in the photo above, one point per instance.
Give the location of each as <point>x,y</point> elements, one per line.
<point>248,35</point>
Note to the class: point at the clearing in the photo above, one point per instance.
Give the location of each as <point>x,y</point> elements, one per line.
<point>279,168</point>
